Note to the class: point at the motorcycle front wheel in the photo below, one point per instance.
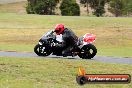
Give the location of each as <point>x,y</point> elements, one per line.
<point>41,50</point>
<point>87,51</point>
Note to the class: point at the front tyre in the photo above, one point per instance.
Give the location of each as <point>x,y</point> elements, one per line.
<point>87,51</point>
<point>41,51</point>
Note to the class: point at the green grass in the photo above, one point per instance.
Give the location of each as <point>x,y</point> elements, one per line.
<point>17,47</point>
<point>21,32</point>
<point>56,73</point>
<point>12,20</point>
<point>115,51</point>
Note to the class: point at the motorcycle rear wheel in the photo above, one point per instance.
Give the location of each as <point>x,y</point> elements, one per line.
<point>38,49</point>
<point>87,51</point>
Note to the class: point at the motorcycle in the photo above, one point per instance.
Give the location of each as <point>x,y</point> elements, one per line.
<point>84,47</point>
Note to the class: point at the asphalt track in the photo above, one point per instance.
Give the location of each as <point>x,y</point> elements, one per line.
<point>96,58</point>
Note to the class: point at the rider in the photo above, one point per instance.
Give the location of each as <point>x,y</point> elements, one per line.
<point>68,37</point>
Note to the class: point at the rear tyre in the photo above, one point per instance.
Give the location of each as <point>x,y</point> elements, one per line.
<point>87,51</point>
<point>41,51</point>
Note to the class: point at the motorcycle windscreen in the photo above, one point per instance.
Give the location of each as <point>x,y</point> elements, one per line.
<point>46,35</point>
<point>89,38</point>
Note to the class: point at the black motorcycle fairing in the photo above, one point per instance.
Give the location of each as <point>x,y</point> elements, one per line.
<point>42,51</point>
<point>48,38</point>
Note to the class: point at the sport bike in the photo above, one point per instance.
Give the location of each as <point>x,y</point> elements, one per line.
<point>84,48</point>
